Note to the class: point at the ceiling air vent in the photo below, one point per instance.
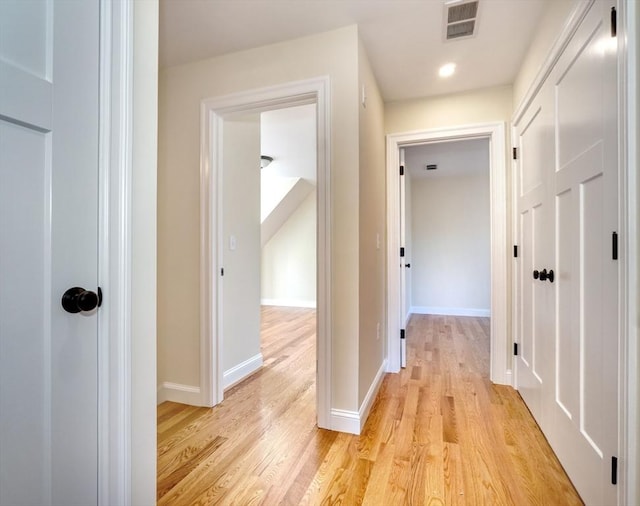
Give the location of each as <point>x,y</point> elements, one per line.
<point>461,19</point>
<point>431,166</point>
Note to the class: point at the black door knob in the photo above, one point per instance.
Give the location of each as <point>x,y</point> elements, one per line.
<point>536,274</point>
<point>78,299</point>
<point>544,275</point>
<point>408,266</point>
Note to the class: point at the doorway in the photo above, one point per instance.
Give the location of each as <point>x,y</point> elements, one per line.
<point>288,223</point>
<point>215,112</point>
<point>494,133</point>
<point>447,232</point>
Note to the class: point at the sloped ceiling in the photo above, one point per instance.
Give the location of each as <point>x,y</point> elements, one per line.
<point>404,38</point>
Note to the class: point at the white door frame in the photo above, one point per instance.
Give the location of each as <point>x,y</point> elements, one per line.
<point>629,90</point>
<point>213,112</point>
<point>114,250</point>
<point>495,133</point>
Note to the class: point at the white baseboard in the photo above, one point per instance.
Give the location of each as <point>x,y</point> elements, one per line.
<point>451,311</point>
<point>370,398</point>
<point>241,371</point>
<point>352,422</point>
<point>345,421</point>
<point>175,392</point>
<point>289,303</point>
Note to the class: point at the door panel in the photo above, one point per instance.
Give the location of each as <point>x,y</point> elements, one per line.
<point>25,435</point>
<point>48,243</point>
<point>585,185</point>
<point>536,159</point>
<point>567,304</point>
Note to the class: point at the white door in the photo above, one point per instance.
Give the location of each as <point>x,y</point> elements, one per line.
<point>535,158</point>
<point>48,243</point>
<point>568,332</point>
<point>403,272</point>
<point>584,187</point>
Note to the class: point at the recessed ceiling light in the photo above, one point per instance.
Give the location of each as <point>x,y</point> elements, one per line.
<point>447,70</point>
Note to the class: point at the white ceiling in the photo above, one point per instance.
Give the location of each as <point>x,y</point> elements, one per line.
<point>403,38</point>
<point>289,137</point>
<point>454,159</point>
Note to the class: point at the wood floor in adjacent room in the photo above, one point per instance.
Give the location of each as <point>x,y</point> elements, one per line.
<point>439,432</point>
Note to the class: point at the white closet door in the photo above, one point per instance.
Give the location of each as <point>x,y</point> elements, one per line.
<point>584,184</point>
<point>567,208</point>
<point>535,298</point>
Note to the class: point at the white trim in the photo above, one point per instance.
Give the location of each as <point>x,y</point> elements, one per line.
<point>629,123</point>
<point>370,398</point>
<point>345,421</point>
<point>114,317</point>
<point>289,303</point>
<point>241,371</point>
<point>352,422</point>
<point>495,132</point>
<point>451,311</point>
<point>175,392</point>
<point>213,111</point>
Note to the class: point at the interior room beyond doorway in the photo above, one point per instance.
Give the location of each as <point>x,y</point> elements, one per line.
<point>448,228</point>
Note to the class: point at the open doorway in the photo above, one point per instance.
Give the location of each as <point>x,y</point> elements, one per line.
<point>288,222</point>
<point>447,247</point>
<point>220,117</point>
<point>448,228</point>
<point>494,134</point>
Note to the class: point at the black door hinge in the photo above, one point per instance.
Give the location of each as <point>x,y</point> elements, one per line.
<point>515,153</point>
<point>402,252</point>
<point>515,349</point>
<point>614,245</point>
<point>401,333</point>
<point>515,251</point>
<point>402,170</point>
<point>614,470</point>
<point>614,22</point>
<point>222,271</point>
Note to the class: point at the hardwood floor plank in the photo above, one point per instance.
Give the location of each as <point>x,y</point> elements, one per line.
<point>439,432</point>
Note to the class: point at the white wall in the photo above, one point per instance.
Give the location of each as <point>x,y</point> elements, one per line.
<point>333,54</point>
<point>241,246</point>
<point>289,253</point>
<point>289,260</point>
<point>143,270</point>
<point>450,263</point>
<point>478,106</point>
<point>552,22</point>
<point>372,226</point>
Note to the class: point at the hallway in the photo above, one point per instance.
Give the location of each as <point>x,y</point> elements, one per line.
<point>439,432</point>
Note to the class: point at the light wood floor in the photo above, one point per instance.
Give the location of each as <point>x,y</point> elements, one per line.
<point>439,432</point>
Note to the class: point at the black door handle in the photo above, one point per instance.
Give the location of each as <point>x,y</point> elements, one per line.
<point>77,299</point>
<point>544,275</point>
<point>408,266</point>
